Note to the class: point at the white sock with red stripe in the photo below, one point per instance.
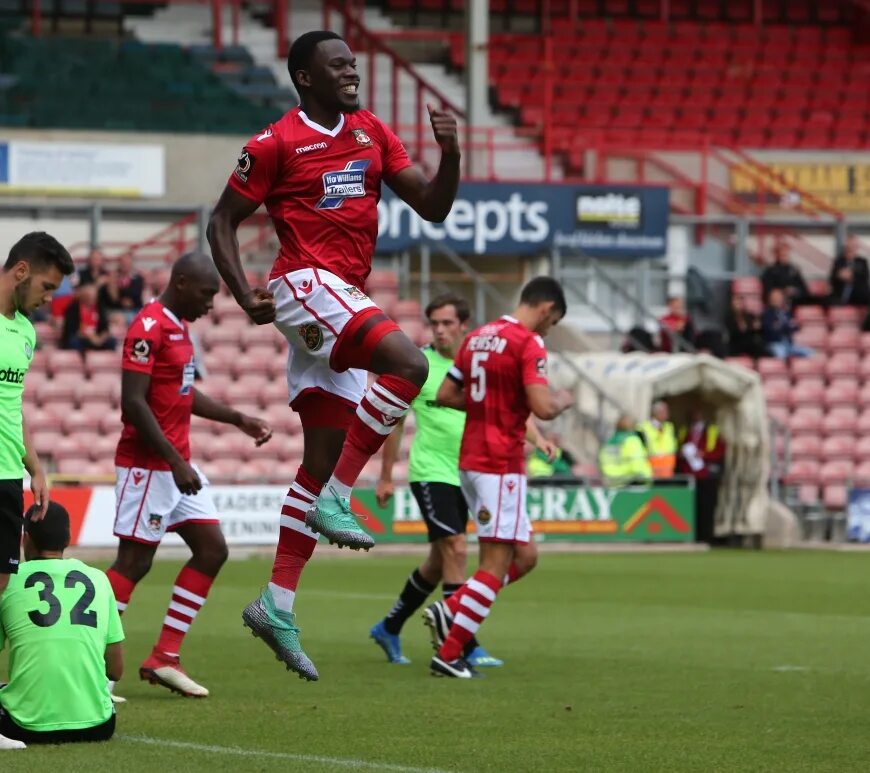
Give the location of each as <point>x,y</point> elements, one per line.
<point>380,410</point>
<point>296,542</point>
<point>475,599</point>
<point>188,595</point>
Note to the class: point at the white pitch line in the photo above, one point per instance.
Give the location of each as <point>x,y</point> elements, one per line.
<point>342,762</point>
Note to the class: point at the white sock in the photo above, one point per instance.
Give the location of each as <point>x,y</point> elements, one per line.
<point>283,597</point>
<point>340,488</point>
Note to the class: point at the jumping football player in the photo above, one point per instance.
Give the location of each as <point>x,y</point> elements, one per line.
<point>499,378</point>
<point>157,488</point>
<point>319,171</point>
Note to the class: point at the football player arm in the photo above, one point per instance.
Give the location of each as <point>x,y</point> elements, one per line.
<point>233,208</point>
<point>432,199</point>
<point>134,389</point>
<point>450,393</point>
<point>534,436</point>
<point>207,408</point>
<point>38,483</point>
<point>545,404</point>
<point>114,657</point>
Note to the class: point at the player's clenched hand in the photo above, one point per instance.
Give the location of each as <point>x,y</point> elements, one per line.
<point>384,491</point>
<point>185,478</point>
<point>444,129</point>
<point>259,305</point>
<point>256,428</point>
<point>39,487</point>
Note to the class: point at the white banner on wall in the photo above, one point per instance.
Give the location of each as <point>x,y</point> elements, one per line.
<point>82,169</point>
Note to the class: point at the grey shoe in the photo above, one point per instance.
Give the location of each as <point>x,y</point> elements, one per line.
<point>279,631</point>
<point>332,517</point>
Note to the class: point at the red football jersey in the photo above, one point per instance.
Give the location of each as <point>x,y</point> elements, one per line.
<point>321,189</point>
<point>158,343</point>
<point>494,365</point>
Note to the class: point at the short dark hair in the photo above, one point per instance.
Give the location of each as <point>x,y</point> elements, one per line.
<point>52,531</point>
<point>40,250</point>
<point>542,289</point>
<point>299,57</point>
<point>463,311</point>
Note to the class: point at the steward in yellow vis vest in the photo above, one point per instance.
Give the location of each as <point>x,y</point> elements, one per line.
<point>623,458</point>
<point>661,441</point>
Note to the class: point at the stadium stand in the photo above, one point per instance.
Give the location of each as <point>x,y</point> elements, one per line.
<point>65,82</point>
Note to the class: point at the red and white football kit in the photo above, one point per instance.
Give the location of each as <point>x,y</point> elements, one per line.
<point>321,188</point>
<point>148,502</point>
<point>494,365</point>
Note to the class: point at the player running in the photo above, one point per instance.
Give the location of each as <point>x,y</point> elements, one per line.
<point>36,266</point>
<point>319,171</point>
<point>434,479</point>
<point>499,378</point>
<point>157,488</point>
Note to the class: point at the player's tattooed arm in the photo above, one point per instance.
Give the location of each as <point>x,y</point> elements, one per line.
<point>233,208</point>
<point>385,486</point>
<point>432,199</point>
<point>134,404</point>
<point>450,394</point>
<point>208,408</point>
<point>545,404</point>
<point>38,482</point>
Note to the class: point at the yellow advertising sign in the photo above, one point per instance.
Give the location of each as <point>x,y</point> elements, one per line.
<point>843,186</point>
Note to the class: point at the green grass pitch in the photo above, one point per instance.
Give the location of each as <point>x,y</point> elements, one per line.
<point>696,662</point>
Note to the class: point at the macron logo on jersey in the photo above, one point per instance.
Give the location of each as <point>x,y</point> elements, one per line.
<point>309,148</point>
<point>148,323</point>
<point>349,183</point>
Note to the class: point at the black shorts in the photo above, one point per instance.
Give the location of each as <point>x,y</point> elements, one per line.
<point>11,729</point>
<point>11,523</point>
<point>443,508</point>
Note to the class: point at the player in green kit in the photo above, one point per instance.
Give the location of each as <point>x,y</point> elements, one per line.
<point>434,479</point>
<point>34,269</point>
<point>64,633</point>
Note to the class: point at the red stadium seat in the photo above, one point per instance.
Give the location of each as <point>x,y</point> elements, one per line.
<point>103,362</point>
<point>805,314</point>
<point>834,497</point>
<point>777,392</point>
<point>803,471</point>
<point>813,336</point>
<point>844,339</point>
<point>807,392</point>
<point>64,362</point>
<point>846,315</point>
<point>843,364</point>
<point>804,447</point>
<point>837,471</point>
<point>807,366</point>
<point>806,419</point>
<point>838,447</point>
<point>842,392</point>
<point>770,366</point>
<point>60,391</point>
<point>841,420</point>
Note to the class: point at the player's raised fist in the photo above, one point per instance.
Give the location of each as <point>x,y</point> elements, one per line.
<point>444,129</point>
<point>259,305</point>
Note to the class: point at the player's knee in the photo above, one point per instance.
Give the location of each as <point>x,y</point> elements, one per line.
<point>526,562</point>
<point>213,556</point>
<point>134,567</point>
<point>416,368</point>
<point>454,549</point>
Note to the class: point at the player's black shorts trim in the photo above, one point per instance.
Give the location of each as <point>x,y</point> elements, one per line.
<point>11,523</point>
<point>11,729</point>
<point>443,508</point>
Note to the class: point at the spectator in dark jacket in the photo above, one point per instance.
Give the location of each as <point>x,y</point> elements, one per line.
<point>676,328</point>
<point>94,272</point>
<point>123,290</point>
<point>85,324</point>
<point>850,277</point>
<point>744,330</point>
<point>778,329</point>
<point>782,275</point>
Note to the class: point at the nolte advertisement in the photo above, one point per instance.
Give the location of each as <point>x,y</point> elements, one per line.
<point>249,514</point>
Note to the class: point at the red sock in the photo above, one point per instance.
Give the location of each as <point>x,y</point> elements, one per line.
<point>296,542</point>
<point>382,407</point>
<point>188,596</point>
<point>453,602</point>
<point>478,594</point>
<point>122,587</point>
<point>513,574</point>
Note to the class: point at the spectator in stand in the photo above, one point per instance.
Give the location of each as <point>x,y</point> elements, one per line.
<point>850,277</point>
<point>744,330</point>
<point>94,272</point>
<point>778,328</point>
<point>782,275</point>
<point>676,328</point>
<point>85,324</point>
<point>123,289</point>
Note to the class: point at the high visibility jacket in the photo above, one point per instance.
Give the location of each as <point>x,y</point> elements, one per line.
<point>661,443</point>
<point>623,459</point>
<point>712,436</point>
